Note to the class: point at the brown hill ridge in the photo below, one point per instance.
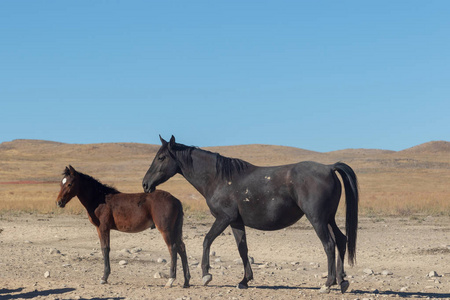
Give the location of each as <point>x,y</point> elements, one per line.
<point>430,147</point>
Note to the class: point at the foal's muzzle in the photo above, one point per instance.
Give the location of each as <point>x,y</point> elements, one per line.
<point>61,203</point>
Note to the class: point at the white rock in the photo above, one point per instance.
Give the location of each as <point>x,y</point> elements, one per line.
<point>135,250</point>
<point>123,262</point>
<point>54,251</point>
<point>161,260</point>
<point>368,271</point>
<point>433,274</point>
<point>386,273</point>
<point>47,274</point>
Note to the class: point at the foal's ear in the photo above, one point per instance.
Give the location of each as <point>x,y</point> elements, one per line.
<point>72,170</point>
<point>163,141</point>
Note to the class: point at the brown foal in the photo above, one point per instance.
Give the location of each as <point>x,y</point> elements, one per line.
<point>108,209</point>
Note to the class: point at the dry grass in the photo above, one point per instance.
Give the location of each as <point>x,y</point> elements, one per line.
<point>401,183</point>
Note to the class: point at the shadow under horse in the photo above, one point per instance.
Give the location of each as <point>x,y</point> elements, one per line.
<point>108,209</point>
<point>240,194</point>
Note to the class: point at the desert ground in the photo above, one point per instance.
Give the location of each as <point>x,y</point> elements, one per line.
<point>59,257</point>
<point>403,248</point>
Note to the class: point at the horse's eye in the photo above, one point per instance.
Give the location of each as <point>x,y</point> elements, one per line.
<point>69,185</point>
<point>161,158</point>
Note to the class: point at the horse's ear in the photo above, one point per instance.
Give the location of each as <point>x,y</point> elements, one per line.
<point>172,142</point>
<point>163,141</point>
<point>71,170</point>
<point>66,171</point>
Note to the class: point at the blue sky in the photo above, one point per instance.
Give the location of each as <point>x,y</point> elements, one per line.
<point>318,75</point>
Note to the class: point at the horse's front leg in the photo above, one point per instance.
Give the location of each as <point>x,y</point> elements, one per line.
<point>241,241</point>
<point>217,228</point>
<point>103,234</point>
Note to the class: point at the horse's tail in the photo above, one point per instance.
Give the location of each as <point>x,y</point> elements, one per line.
<point>351,200</point>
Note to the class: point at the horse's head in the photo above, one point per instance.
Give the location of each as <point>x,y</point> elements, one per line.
<point>69,186</point>
<point>163,167</point>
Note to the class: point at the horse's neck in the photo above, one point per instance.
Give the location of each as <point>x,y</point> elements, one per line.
<point>202,173</point>
<point>90,198</point>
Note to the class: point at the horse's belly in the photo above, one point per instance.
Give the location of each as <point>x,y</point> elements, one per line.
<point>271,217</point>
<point>133,223</point>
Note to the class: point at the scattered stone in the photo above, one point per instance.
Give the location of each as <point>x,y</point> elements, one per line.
<point>217,260</point>
<point>404,289</point>
<point>54,251</point>
<point>213,253</point>
<point>368,271</point>
<point>135,250</point>
<point>161,260</point>
<point>433,274</point>
<point>47,274</point>
<point>28,242</point>
<point>123,263</point>
<point>324,275</point>
<point>386,273</point>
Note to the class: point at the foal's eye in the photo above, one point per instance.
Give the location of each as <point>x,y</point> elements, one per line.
<point>161,158</point>
<point>69,185</point>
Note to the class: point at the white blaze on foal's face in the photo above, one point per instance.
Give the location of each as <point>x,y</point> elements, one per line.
<point>64,180</point>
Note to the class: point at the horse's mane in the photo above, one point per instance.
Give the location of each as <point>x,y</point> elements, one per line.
<point>226,167</point>
<point>97,185</point>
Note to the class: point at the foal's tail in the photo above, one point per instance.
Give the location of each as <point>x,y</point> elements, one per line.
<point>351,200</point>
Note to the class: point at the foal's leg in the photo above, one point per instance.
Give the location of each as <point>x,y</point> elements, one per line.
<point>321,228</point>
<point>173,257</point>
<point>341,242</point>
<point>103,234</point>
<point>182,251</point>
<point>217,228</point>
<point>241,241</point>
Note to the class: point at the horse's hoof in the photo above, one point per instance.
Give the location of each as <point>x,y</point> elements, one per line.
<point>242,286</point>
<point>207,279</point>
<point>344,286</point>
<point>170,282</point>
<point>186,285</point>
<point>103,281</point>
<point>325,290</point>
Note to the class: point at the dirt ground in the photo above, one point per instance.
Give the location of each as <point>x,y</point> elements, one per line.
<point>59,257</point>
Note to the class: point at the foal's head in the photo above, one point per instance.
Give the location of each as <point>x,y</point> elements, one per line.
<point>163,167</point>
<point>69,186</point>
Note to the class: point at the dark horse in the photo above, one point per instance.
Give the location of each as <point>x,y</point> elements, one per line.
<point>108,209</point>
<point>240,194</point>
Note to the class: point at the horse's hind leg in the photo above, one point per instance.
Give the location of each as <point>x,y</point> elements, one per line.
<point>341,242</point>
<point>182,251</point>
<point>171,245</point>
<point>103,234</point>
<point>328,243</point>
<point>241,241</point>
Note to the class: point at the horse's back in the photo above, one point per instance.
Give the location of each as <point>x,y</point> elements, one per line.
<point>271,198</point>
<point>134,212</point>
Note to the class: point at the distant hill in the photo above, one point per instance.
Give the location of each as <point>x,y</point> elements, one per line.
<point>430,147</point>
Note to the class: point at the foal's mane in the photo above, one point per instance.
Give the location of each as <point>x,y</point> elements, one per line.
<point>96,184</point>
<point>226,167</point>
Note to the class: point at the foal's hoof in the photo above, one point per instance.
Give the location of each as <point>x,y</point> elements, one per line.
<point>207,279</point>
<point>103,281</point>
<point>170,283</point>
<point>242,286</point>
<point>325,290</point>
<point>344,286</point>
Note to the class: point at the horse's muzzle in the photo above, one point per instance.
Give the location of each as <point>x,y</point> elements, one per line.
<point>61,203</point>
<point>148,189</point>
